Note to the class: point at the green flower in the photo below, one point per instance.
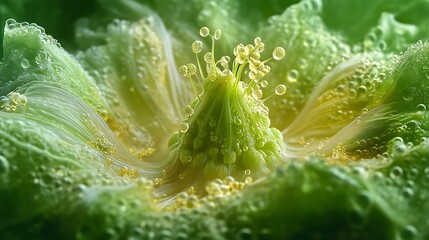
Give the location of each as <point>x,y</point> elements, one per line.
<point>299,120</point>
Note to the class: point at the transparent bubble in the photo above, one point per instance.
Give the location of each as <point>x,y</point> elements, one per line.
<point>264,83</point>
<point>183,127</point>
<point>217,34</point>
<point>247,172</point>
<point>279,53</point>
<point>257,93</point>
<point>204,31</point>
<point>396,172</point>
<point>41,57</point>
<point>252,75</point>
<point>189,110</point>
<point>25,63</point>
<point>292,75</point>
<point>197,46</point>
<point>280,89</point>
<point>11,23</point>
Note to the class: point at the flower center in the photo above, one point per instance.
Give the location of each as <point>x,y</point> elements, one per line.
<point>226,132</point>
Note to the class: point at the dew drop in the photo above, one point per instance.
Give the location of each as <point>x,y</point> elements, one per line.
<point>217,34</point>
<point>183,128</point>
<point>247,172</point>
<point>11,23</point>
<point>189,110</point>
<point>257,94</point>
<point>399,148</point>
<point>41,57</point>
<point>396,172</point>
<point>264,83</point>
<point>361,91</point>
<point>279,53</point>
<point>25,63</point>
<point>292,75</point>
<point>280,89</point>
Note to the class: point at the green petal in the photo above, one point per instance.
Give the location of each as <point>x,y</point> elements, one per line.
<point>136,73</point>
<point>31,55</point>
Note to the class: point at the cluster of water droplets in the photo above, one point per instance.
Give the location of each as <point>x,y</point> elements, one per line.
<point>249,54</point>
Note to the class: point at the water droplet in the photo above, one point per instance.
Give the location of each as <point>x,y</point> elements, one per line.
<point>264,83</point>
<point>183,128</point>
<point>279,53</point>
<point>185,156</point>
<point>257,93</point>
<point>247,172</point>
<point>11,23</point>
<point>189,110</point>
<point>280,89</point>
<point>25,63</point>
<point>41,57</point>
<point>217,34</point>
<point>399,148</point>
<point>361,91</point>
<point>292,75</point>
<point>396,172</point>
